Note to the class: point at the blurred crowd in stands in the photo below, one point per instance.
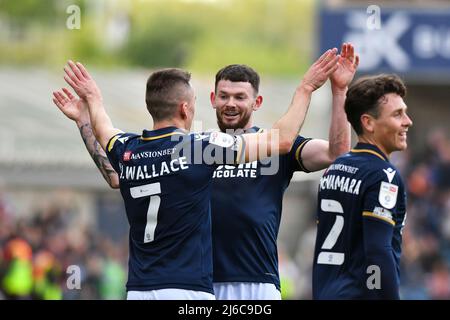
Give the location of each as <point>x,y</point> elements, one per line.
<point>36,251</point>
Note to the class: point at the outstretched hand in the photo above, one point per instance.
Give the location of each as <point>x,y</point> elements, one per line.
<point>347,65</point>
<point>86,89</point>
<point>321,70</point>
<point>73,108</point>
<point>81,82</point>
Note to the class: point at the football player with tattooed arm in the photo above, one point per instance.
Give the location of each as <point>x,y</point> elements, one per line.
<point>246,265</point>
<point>362,199</point>
<point>165,189</point>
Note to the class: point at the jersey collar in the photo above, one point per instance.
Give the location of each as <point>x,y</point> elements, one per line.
<point>161,133</point>
<point>369,148</point>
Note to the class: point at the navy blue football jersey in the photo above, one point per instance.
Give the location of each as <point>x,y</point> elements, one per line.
<point>246,212</point>
<point>165,181</point>
<point>361,213</point>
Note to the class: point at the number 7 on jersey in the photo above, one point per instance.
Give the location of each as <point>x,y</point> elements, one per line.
<point>151,190</point>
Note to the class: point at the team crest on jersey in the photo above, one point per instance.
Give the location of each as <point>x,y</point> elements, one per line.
<point>388,195</point>
<point>127,156</point>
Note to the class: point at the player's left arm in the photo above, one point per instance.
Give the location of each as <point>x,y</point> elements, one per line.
<point>378,229</point>
<point>318,154</point>
<point>280,139</point>
<point>378,250</point>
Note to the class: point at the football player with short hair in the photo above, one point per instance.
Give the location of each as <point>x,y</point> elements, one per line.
<point>362,199</point>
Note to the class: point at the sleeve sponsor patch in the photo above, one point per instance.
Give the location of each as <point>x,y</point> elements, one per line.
<point>388,195</point>
<point>382,213</point>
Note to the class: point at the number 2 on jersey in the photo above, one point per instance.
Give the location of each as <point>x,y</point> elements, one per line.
<point>328,257</point>
<point>151,190</point>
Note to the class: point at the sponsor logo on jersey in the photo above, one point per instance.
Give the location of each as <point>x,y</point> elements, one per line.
<point>342,167</point>
<point>152,154</point>
<point>123,139</point>
<point>390,173</point>
<point>247,170</point>
<point>127,156</point>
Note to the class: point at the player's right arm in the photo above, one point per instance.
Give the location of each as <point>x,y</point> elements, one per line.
<point>82,83</point>
<point>319,154</point>
<point>281,137</point>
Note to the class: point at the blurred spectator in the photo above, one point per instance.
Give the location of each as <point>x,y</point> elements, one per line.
<point>113,275</point>
<point>289,275</point>
<point>34,265</point>
<point>17,282</point>
<point>438,281</point>
<point>47,276</point>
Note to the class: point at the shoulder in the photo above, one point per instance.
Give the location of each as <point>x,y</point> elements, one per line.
<point>387,182</point>
<point>387,172</point>
<point>371,169</point>
<point>377,168</point>
<point>121,138</point>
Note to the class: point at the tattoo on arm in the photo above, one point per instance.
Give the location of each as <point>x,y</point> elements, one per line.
<point>97,153</point>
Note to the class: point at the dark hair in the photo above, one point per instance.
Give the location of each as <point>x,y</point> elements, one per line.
<point>364,96</point>
<point>238,73</point>
<point>166,88</point>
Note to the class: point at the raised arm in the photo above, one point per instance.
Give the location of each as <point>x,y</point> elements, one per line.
<point>82,83</point>
<point>77,110</point>
<point>280,138</point>
<point>319,154</point>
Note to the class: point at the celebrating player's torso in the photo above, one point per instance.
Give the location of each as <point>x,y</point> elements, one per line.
<point>246,212</point>
<point>359,185</point>
<point>167,196</point>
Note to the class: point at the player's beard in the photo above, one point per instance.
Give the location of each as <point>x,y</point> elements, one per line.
<point>243,121</point>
